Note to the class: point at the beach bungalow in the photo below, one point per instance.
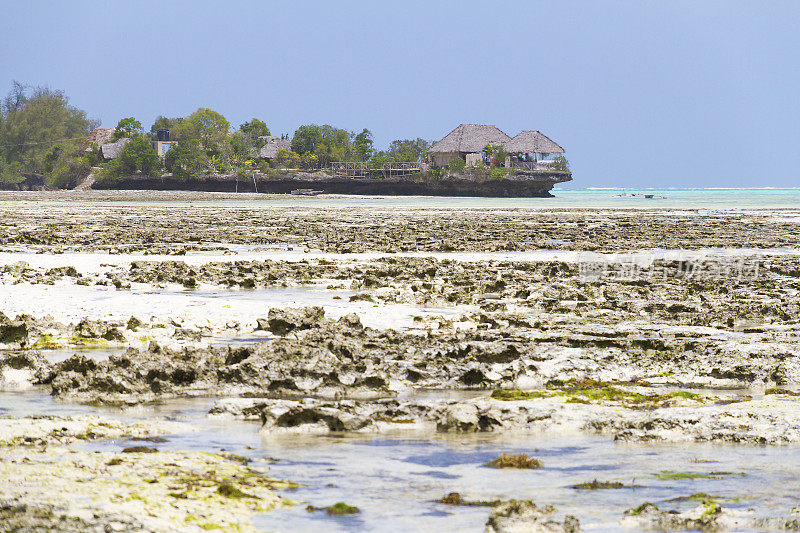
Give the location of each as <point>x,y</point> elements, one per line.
<point>270,150</point>
<point>528,148</point>
<point>467,142</point>
<point>113,150</point>
<point>99,136</point>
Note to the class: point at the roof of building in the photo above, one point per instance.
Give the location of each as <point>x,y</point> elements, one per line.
<point>112,150</point>
<point>99,136</point>
<point>270,150</point>
<point>530,142</point>
<point>470,138</point>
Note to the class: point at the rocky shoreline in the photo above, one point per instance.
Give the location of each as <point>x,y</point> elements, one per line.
<point>469,339</point>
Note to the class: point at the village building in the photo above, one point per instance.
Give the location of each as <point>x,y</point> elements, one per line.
<point>99,137</point>
<point>274,144</point>
<point>467,142</point>
<point>113,150</point>
<point>528,148</point>
<point>162,144</point>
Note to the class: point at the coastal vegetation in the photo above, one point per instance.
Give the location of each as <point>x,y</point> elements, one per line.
<point>43,135</point>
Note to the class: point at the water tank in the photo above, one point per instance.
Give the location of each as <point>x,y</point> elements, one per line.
<point>162,135</point>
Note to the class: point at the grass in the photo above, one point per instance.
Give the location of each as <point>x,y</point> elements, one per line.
<point>514,461</point>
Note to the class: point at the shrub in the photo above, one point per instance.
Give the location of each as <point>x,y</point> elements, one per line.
<point>561,163</point>
<point>11,172</point>
<point>186,160</point>
<point>457,165</point>
<point>136,156</point>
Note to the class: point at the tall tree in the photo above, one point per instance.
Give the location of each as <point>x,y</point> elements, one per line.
<point>164,123</point>
<point>363,145</point>
<point>127,127</point>
<point>306,139</point>
<point>33,120</point>
<point>208,127</point>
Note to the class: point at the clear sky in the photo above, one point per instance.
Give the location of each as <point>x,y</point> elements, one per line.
<point>639,93</point>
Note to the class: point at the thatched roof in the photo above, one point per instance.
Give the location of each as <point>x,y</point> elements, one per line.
<point>99,136</point>
<point>270,150</point>
<point>470,138</point>
<point>531,142</point>
<point>112,150</point>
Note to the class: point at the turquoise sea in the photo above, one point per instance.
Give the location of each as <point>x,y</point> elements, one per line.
<point>700,199</point>
<point>589,198</point>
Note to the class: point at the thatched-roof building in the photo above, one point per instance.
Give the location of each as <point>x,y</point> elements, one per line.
<point>112,150</point>
<point>532,142</point>
<point>270,150</point>
<point>99,136</point>
<point>467,141</point>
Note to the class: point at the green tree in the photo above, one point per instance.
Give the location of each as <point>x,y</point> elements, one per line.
<point>306,139</point>
<point>208,128</point>
<point>65,165</point>
<point>127,127</point>
<point>254,129</point>
<point>34,120</point>
<point>335,144</point>
<point>286,159</point>
<point>406,150</point>
<point>11,172</point>
<point>164,123</point>
<point>363,145</point>
<point>136,156</point>
<point>187,159</point>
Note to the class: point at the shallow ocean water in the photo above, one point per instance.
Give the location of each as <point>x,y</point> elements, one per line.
<point>395,478</point>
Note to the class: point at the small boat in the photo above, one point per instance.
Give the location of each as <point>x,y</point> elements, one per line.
<point>306,192</point>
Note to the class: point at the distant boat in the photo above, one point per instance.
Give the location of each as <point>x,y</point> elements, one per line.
<point>306,192</point>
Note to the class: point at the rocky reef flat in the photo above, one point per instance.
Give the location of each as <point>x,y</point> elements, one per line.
<point>638,328</point>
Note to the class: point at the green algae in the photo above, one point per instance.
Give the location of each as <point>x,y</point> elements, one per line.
<point>514,461</point>
<point>638,510</point>
<point>341,509</point>
<point>454,498</point>
<point>599,485</point>
<point>678,476</point>
<point>140,449</point>
<point>782,391</point>
<point>231,491</point>
<point>589,391</point>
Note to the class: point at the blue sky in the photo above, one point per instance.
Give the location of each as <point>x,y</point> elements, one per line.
<point>640,93</point>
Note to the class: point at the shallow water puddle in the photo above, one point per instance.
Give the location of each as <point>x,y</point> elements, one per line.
<point>395,478</point>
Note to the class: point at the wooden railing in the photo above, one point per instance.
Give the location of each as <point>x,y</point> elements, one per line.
<point>531,165</point>
<point>355,169</point>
